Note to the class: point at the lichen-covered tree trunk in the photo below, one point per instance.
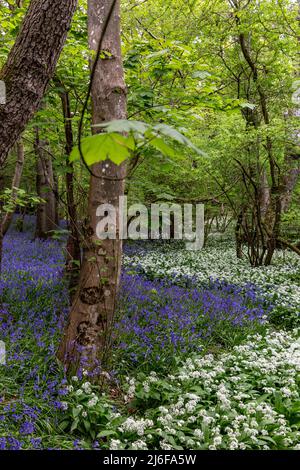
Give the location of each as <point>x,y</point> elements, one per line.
<point>30,66</point>
<point>87,335</point>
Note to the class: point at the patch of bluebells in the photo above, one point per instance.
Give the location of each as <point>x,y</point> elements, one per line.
<point>10,443</point>
<point>159,321</point>
<point>32,272</point>
<point>27,428</point>
<point>32,314</point>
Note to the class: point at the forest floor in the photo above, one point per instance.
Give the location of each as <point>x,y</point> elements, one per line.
<point>206,352</point>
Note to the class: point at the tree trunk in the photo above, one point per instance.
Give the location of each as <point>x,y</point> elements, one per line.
<point>6,221</point>
<point>56,196</point>
<point>73,260</point>
<point>265,230</point>
<point>87,335</point>
<point>45,187</point>
<point>239,235</point>
<point>7,218</point>
<point>30,65</point>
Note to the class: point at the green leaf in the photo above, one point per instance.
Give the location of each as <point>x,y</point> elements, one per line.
<point>116,146</point>
<point>165,197</point>
<point>75,412</point>
<point>96,148</point>
<point>87,424</point>
<point>201,74</point>
<point>248,105</point>
<point>64,424</point>
<point>108,432</point>
<point>124,126</point>
<point>168,131</point>
<point>162,146</point>
<point>158,54</point>
<point>74,425</point>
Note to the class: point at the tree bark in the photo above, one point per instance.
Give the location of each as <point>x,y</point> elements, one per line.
<point>45,187</point>
<point>239,235</point>
<point>7,218</point>
<point>73,260</point>
<point>6,221</point>
<point>87,335</point>
<point>30,65</point>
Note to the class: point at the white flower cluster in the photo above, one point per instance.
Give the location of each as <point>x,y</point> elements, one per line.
<point>131,390</point>
<point>220,262</point>
<point>232,402</point>
<point>82,393</point>
<point>93,401</point>
<point>86,387</point>
<point>135,426</point>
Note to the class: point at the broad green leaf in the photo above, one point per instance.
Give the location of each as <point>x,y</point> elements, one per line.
<point>74,425</point>
<point>162,146</point>
<point>124,126</point>
<point>201,74</point>
<point>106,433</point>
<point>248,105</point>
<point>96,148</point>
<point>168,131</point>
<point>158,54</point>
